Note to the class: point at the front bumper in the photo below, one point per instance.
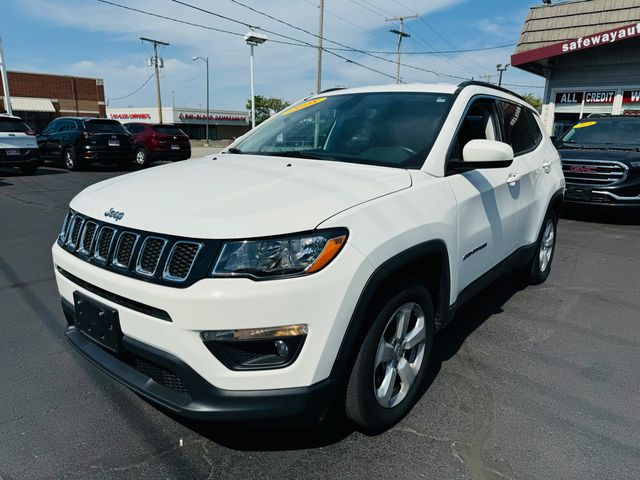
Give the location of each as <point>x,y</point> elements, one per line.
<point>626,194</point>
<point>323,301</point>
<point>197,398</point>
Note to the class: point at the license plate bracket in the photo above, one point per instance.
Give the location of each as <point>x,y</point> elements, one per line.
<point>13,151</point>
<point>98,322</point>
<point>114,143</point>
<point>175,147</point>
<point>581,194</point>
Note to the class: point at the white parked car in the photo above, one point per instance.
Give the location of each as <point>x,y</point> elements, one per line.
<point>18,145</point>
<point>313,260</point>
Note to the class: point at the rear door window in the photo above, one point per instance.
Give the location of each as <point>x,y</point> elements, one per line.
<point>168,130</point>
<point>104,126</point>
<point>517,128</point>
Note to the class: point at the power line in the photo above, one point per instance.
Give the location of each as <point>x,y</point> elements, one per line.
<point>134,92</point>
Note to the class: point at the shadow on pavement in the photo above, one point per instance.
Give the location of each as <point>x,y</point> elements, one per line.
<point>14,172</point>
<point>598,214</point>
<point>267,437</point>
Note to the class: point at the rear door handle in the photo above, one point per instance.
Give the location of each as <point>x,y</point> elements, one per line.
<point>512,179</point>
<point>546,166</point>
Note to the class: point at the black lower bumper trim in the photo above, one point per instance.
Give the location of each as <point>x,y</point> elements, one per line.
<point>205,401</point>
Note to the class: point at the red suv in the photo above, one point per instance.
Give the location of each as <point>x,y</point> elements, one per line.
<point>158,142</point>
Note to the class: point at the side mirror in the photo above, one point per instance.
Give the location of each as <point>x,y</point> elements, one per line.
<point>478,154</point>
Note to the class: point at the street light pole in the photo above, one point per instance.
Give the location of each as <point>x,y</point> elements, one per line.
<point>253,39</point>
<point>206,61</point>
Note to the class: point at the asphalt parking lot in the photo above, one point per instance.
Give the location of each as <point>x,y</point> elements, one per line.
<point>534,383</point>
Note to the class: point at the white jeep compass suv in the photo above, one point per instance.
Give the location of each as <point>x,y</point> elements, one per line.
<point>312,261</point>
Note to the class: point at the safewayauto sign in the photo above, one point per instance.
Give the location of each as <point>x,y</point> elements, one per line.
<point>576,44</point>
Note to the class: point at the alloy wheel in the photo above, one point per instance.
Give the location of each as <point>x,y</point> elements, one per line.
<point>69,161</point>
<point>141,157</point>
<point>546,246</point>
<point>400,355</point>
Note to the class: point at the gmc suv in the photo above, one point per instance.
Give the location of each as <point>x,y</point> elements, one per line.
<point>312,261</point>
<point>82,141</point>
<point>601,161</point>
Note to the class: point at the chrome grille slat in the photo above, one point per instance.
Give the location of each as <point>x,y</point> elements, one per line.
<point>74,232</point>
<point>180,261</point>
<point>123,252</point>
<point>103,244</point>
<point>88,235</point>
<point>594,172</point>
<point>149,256</point>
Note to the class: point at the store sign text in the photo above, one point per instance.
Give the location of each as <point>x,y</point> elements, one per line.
<point>599,38</point>
<point>631,96</point>
<point>569,97</point>
<point>130,116</point>
<point>225,118</point>
<point>599,97</point>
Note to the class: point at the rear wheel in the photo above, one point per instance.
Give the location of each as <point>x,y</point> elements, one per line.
<point>29,169</point>
<point>393,359</point>
<point>142,157</point>
<point>70,159</point>
<point>538,269</point>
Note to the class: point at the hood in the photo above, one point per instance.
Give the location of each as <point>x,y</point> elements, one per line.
<point>603,153</point>
<point>237,196</point>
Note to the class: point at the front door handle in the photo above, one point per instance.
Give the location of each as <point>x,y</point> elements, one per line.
<point>512,179</point>
<point>546,166</point>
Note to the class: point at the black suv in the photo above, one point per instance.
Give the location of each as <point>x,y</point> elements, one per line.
<point>601,161</point>
<point>81,141</point>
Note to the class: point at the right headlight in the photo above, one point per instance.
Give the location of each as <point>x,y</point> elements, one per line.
<point>280,257</point>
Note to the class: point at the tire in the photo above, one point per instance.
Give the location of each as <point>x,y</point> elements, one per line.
<point>384,360</point>
<point>71,162</point>
<point>538,269</point>
<point>125,165</point>
<point>29,169</point>
<point>142,157</point>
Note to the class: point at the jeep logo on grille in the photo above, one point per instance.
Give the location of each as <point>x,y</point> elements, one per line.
<point>114,214</point>
<point>582,169</point>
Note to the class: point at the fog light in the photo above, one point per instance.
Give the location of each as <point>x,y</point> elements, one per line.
<point>256,348</point>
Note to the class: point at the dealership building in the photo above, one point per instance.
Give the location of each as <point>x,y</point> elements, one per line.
<point>588,51</point>
<point>38,98</point>
<point>223,124</point>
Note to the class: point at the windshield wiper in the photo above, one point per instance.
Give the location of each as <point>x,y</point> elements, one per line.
<point>233,150</point>
<point>298,154</point>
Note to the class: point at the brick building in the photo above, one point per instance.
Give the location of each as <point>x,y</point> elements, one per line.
<point>38,98</point>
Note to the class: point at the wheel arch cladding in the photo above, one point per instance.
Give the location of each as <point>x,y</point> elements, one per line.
<point>428,262</point>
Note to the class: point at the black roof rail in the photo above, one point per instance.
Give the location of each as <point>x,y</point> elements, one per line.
<point>469,83</point>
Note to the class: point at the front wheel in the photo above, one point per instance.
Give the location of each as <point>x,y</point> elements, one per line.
<point>538,269</point>
<point>393,359</point>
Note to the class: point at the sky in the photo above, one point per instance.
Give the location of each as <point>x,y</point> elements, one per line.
<point>94,39</point>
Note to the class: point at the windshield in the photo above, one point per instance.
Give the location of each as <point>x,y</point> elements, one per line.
<point>605,131</point>
<point>389,129</point>
<point>13,125</point>
<point>104,126</point>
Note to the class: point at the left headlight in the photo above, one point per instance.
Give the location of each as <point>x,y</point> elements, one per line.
<point>280,256</point>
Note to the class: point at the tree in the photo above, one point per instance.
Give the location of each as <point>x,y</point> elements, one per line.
<point>267,106</point>
<point>534,101</point>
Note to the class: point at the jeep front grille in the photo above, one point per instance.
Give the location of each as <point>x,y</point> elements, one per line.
<point>164,259</point>
<point>594,172</point>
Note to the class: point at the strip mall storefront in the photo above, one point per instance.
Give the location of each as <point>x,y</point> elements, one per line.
<point>588,55</point>
<point>223,124</point>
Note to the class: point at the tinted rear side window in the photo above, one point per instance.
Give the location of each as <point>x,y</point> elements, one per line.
<point>518,131</point>
<point>13,125</point>
<point>104,126</point>
<point>168,130</point>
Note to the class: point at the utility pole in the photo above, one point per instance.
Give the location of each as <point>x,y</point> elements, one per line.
<point>5,81</point>
<point>488,77</point>
<point>320,28</point>
<point>400,34</point>
<point>501,68</point>
<point>156,65</point>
